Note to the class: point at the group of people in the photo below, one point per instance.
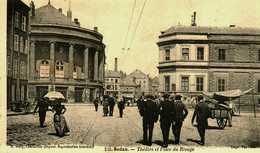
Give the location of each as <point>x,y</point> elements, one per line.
<point>109,102</point>
<point>172,112</point>
<point>59,120</point>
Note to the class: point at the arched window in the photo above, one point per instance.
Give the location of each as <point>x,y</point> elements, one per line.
<point>59,66</point>
<point>44,68</point>
<point>44,62</point>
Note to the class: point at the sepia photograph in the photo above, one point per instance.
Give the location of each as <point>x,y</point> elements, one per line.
<point>130,75</point>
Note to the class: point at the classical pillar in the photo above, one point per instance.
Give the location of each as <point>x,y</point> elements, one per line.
<point>101,67</point>
<point>32,60</point>
<point>71,61</point>
<point>96,66</point>
<point>86,51</point>
<point>52,63</point>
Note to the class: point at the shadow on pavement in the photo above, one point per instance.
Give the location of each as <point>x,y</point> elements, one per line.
<point>214,128</point>
<point>194,140</point>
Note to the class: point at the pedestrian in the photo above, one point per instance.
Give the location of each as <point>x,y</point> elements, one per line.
<point>105,105</point>
<point>41,107</point>
<point>201,113</point>
<point>60,124</point>
<point>111,102</point>
<point>96,101</point>
<point>181,113</point>
<point>150,112</point>
<point>166,117</point>
<point>121,106</point>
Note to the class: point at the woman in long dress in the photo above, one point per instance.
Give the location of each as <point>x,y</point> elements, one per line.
<point>60,123</point>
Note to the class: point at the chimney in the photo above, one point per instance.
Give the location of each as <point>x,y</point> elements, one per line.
<point>76,21</point>
<point>116,64</point>
<point>193,19</point>
<point>69,14</point>
<point>96,29</point>
<point>32,9</point>
<point>60,10</point>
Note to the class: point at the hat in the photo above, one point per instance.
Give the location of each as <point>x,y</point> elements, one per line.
<point>166,96</point>
<point>178,97</point>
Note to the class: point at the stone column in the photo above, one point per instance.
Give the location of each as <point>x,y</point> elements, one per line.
<point>101,67</point>
<point>96,66</point>
<point>52,63</point>
<point>32,60</point>
<point>86,52</point>
<point>71,61</point>
<point>71,94</point>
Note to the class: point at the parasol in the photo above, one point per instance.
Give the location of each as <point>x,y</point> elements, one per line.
<point>54,95</point>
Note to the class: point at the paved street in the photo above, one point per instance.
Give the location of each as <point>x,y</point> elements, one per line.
<point>90,127</point>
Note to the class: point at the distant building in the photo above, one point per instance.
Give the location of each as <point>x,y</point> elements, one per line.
<point>194,59</point>
<point>141,79</point>
<point>17,51</point>
<point>129,89</point>
<point>154,86</point>
<point>112,80</point>
<point>64,56</point>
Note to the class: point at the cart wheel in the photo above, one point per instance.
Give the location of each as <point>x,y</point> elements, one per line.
<point>222,123</point>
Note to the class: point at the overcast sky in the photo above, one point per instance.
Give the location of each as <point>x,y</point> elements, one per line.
<point>112,18</point>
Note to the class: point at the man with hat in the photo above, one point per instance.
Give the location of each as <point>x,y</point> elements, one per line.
<point>149,111</point>
<point>166,117</point>
<point>201,113</point>
<point>181,113</point>
<point>42,107</point>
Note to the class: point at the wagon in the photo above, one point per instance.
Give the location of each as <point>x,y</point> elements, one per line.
<point>218,103</point>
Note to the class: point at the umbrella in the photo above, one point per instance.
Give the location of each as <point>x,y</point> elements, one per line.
<point>54,95</point>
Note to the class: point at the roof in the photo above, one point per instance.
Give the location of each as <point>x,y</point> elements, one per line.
<point>128,81</point>
<point>48,14</point>
<point>210,30</point>
<point>112,74</point>
<point>138,74</point>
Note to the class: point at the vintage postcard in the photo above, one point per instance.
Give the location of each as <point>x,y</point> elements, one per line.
<point>130,75</point>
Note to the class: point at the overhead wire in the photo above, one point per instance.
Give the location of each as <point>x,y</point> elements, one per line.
<point>137,24</point>
<point>129,24</point>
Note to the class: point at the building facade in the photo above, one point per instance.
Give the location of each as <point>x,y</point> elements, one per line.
<point>17,51</point>
<point>64,56</point>
<point>194,59</point>
<point>141,79</point>
<point>129,89</point>
<point>154,86</point>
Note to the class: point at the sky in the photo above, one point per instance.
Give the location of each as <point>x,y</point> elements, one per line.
<point>112,18</point>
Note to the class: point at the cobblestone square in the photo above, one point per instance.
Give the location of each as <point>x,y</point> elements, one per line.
<point>91,128</point>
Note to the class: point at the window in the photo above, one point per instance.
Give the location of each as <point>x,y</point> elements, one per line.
<point>173,87</point>
<point>116,80</point>
<point>185,83</point>
<point>59,66</point>
<point>221,84</point>
<point>167,54</point>
<point>21,44</point>
<point>222,54</point>
<point>108,86</point>
<point>167,83</point>
<point>115,87</point>
<point>200,53</point>
<point>199,83</point>
<point>185,53</point>
<point>74,68</point>
<point>15,68</point>
<point>23,70</point>
<point>258,55</point>
<point>44,68</point>
<point>17,19</point>
<point>16,42</point>
<point>258,86</point>
<point>26,46</point>
<point>24,23</point>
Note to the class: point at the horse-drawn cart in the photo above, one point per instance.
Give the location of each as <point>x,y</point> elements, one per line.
<point>219,104</point>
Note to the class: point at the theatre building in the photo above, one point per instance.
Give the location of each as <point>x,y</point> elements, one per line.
<point>64,56</point>
<point>194,59</point>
